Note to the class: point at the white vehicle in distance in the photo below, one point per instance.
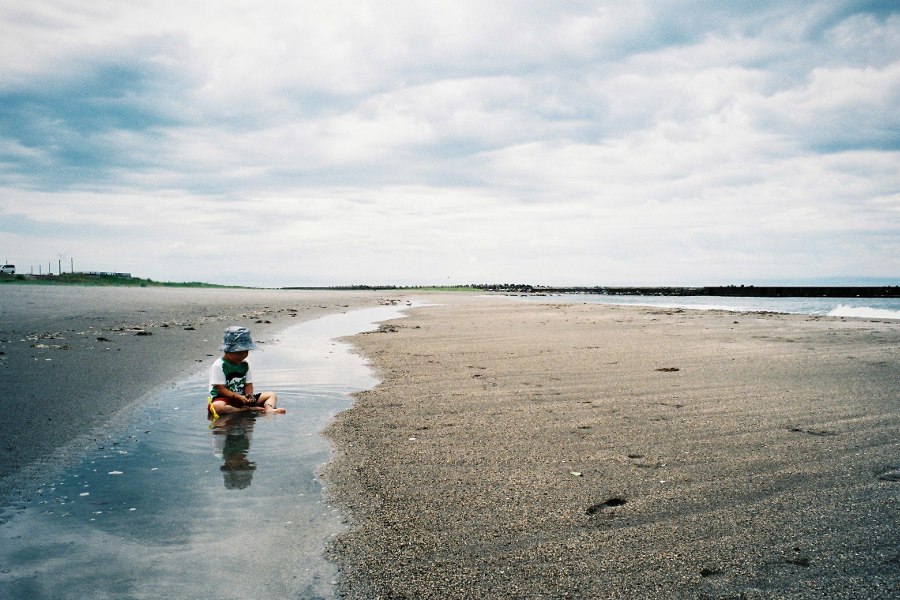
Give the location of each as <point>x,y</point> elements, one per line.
<point>8,269</point>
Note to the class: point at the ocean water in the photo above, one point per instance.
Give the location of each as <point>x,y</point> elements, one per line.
<point>174,506</point>
<point>872,308</point>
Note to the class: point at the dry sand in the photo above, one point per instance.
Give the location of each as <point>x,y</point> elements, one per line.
<point>71,358</point>
<point>524,450</point>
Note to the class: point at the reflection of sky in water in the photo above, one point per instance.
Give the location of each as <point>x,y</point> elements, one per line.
<point>150,512</point>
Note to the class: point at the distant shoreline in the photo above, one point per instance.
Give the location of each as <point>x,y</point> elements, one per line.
<point>750,291</point>
<point>104,280</point>
<point>742,291</point>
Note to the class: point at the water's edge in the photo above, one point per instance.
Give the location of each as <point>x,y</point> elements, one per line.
<point>144,497</point>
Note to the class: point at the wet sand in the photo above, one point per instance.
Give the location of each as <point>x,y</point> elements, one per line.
<point>519,450</point>
<point>72,358</point>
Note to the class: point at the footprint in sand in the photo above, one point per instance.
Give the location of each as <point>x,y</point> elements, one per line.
<point>893,475</point>
<point>608,503</point>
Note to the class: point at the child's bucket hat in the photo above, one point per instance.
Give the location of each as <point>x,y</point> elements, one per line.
<point>237,339</point>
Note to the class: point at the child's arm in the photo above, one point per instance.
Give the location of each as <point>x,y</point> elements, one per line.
<point>248,392</point>
<point>224,392</point>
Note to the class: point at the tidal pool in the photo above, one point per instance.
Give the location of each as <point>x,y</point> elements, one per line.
<point>174,506</point>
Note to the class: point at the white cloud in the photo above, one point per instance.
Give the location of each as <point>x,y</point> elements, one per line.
<point>407,142</point>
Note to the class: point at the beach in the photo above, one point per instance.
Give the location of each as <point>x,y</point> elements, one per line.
<point>75,358</point>
<point>527,450</point>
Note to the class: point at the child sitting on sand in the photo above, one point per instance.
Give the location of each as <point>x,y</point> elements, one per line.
<point>231,378</point>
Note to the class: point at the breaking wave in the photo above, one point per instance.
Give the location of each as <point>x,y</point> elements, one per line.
<point>866,312</point>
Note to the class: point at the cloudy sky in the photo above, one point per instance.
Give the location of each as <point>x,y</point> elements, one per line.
<point>283,142</point>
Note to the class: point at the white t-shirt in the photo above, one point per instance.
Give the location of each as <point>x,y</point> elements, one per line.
<point>234,377</point>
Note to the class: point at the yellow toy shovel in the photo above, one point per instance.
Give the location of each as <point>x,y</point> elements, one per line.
<point>213,410</point>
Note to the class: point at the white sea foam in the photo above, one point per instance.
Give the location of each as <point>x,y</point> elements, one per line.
<point>867,312</point>
<point>867,308</point>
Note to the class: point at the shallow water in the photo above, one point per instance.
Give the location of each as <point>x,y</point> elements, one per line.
<point>176,507</point>
<point>873,308</point>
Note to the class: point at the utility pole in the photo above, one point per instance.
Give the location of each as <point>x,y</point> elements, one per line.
<point>59,267</point>
<point>72,265</point>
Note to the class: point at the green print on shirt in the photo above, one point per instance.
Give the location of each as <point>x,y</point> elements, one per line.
<point>235,377</point>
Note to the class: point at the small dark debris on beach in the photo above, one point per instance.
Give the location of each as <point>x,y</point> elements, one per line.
<point>143,333</point>
<point>669,369</point>
<point>707,572</point>
<point>383,329</point>
<point>190,329</point>
<point>102,339</point>
<point>817,432</point>
<point>608,503</point>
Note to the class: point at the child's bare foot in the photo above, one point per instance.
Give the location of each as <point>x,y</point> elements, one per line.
<point>277,411</point>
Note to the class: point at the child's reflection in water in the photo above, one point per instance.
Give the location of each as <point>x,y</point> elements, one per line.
<point>231,439</point>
